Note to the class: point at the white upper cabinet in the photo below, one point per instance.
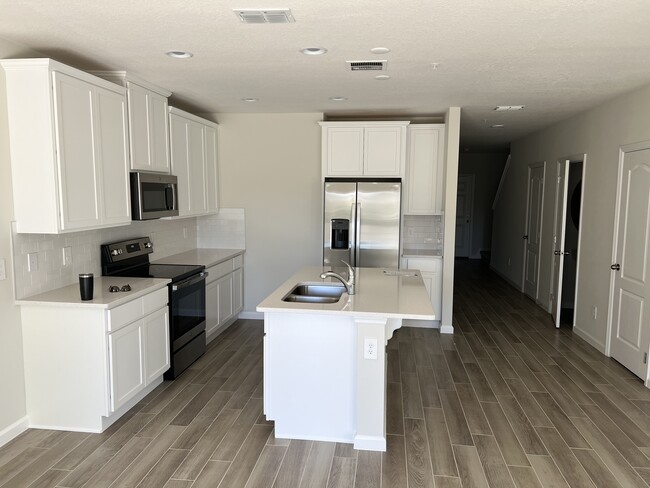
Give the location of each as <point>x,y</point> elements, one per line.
<point>363,149</point>
<point>424,169</point>
<point>193,142</point>
<point>68,146</point>
<point>148,121</point>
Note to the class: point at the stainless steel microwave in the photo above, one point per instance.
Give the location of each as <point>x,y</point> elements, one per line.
<point>153,196</point>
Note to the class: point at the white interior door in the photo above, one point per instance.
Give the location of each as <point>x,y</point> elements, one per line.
<point>630,331</point>
<point>464,204</point>
<point>533,235</point>
<point>558,238</point>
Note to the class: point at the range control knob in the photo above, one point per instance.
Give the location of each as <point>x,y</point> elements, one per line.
<point>119,251</point>
<point>147,245</point>
<point>115,252</point>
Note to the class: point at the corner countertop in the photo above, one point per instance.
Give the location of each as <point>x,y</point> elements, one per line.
<point>380,293</point>
<point>68,296</point>
<point>201,256</point>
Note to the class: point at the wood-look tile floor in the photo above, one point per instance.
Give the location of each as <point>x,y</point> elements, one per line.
<point>507,401</point>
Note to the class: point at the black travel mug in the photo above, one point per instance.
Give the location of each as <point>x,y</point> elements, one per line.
<point>86,286</point>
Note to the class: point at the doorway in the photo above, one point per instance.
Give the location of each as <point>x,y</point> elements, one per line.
<point>568,204</point>
<point>464,206</point>
<point>533,233</point>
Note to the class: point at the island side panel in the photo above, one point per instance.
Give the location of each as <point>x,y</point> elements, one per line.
<point>310,376</point>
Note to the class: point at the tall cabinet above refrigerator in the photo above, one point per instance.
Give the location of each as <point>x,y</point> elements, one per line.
<point>361,223</point>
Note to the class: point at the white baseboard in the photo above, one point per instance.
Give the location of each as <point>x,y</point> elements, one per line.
<point>369,443</point>
<point>446,329</point>
<point>590,339</point>
<point>252,315</point>
<point>14,430</point>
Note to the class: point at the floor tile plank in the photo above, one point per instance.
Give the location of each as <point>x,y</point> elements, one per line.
<point>393,463</point>
<point>293,464</point>
<point>469,467</point>
<point>474,415</point>
<point>318,465</point>
<point>567,463</point>
<point>368,473</point>
<point>418,464</point>
<point>600,475</point>
<point>495,469</point>
<point>456,422</point>
<point>561,422</point>
<point>512,451</point>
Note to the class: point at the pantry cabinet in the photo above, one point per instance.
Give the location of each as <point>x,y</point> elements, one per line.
<point>363,149</point>
<point>193,143</point>
<point>68,146</point>
<point>224,294</point>
<point>424,169</point>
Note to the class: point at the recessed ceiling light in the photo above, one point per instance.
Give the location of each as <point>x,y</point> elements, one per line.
<point>338,99</point>
<point>179,54</point>
<point>382,77</point>
<point>497,126</point>
<point>313,51</point>
<point>250,99</point>
<point>435,65</point>
<point>508,108</point>
<point>380,50</point>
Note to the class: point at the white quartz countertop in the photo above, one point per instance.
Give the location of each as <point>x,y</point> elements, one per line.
<point>69,296</point>
<point>379,293</point>
<point>201,256</point>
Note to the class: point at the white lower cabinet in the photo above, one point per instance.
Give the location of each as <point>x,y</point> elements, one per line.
<point>85,366</point>
<point>223,295</point>
<point>431,271</point>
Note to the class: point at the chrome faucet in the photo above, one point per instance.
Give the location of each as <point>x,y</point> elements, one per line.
<point>349,283</point>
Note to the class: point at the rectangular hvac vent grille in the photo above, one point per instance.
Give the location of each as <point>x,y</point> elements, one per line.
<point>271,16</point>
<point>367,65</point>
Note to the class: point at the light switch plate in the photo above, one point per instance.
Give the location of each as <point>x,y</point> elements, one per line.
<point>3,270</point>
<point>67,255</point>
<point>32,261</point>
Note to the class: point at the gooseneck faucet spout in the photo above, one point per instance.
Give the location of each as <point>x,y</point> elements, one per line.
<point>349,283</point>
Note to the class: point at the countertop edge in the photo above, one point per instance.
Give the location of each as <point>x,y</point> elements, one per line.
<point>200,256</point>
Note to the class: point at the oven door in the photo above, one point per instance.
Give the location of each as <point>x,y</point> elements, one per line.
<point>187,310</point>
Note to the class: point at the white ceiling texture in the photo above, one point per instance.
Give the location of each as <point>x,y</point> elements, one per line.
<point>556,57</point>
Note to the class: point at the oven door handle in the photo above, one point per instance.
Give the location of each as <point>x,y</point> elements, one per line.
<point>189,281</point>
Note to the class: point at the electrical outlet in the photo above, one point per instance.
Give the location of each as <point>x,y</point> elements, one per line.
<point>32,262</point>
<point>410,232</point>
<point>67,256</point>
<point>3,270</point>
<point>184,232</point>
<point>594,312</point>
<point>369,348</point>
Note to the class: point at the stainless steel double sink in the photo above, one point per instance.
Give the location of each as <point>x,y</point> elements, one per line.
<point>315,293</point>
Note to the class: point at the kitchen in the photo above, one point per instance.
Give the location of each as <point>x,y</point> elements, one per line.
<point>249,190</point>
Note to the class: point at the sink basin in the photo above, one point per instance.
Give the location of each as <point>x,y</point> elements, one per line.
<point>315,293</point>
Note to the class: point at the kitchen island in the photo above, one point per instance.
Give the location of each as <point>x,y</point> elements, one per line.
<point>325,363</point>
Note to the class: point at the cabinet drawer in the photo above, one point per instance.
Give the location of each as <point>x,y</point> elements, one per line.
<point>237,262</point>
<point>432,264</point>
<point>219,270</point>
<point>120,316</point>
<point>154,301</point>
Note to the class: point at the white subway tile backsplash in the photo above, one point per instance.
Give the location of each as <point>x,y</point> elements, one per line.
<point>423,232</point>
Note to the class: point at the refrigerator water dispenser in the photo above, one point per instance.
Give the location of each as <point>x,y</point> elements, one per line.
<point>340,234</point>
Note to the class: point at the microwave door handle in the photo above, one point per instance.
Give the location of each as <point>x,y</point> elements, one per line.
<point>170,189</point>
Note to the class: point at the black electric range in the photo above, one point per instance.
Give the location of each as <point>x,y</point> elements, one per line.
<point>130,258</point>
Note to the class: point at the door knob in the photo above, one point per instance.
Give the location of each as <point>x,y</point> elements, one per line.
<point>615,267</point>
<point>525,237</point>
<point>557,253</point>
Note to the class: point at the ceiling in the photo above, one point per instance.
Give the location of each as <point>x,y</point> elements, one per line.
<point>556,57</point>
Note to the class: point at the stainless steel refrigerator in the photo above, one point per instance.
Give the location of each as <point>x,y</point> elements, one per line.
<point>361,223</point>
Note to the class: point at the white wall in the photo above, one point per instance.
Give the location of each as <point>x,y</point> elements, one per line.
<point>270,165</point>
<point>598,133</point>
<point>12,383</point>
<point>487,169</point>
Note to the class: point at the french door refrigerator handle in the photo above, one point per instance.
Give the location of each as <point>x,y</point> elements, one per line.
<point>352,234</point>
<point>357,229</point>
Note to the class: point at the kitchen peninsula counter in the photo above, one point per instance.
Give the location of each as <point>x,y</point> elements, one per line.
<point>325,364</point>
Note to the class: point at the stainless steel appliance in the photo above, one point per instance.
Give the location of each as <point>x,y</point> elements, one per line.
<point>153,196</point>
<point>362,222</point>
<point>130,258</point>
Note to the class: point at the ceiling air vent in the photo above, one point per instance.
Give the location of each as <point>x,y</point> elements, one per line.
<point>367,65</point>
<point>271,16</point>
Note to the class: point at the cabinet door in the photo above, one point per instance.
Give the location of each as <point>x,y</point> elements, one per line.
<point>139,127</point>
<point>79,193</point>
<point>156,344</point>
<point>383,151</point>
<point>225,298</point>
<point>212,173</point>
<point>126,364</point>
<point>180,161</point>
<point>238,290</point>
<point>113,157</point>
<point>211,307</point>
<point>424,178</point>
<point>196,158</point>
<point>158,132</point>
<point>344,151</point>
